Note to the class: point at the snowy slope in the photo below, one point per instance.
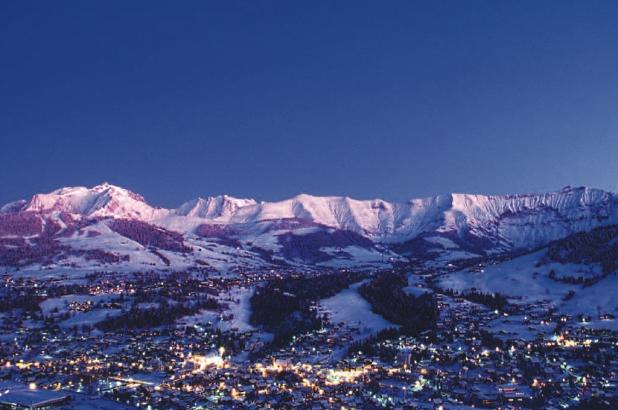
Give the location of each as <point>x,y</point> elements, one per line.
<point>218,207</point>
<point>576,275</point>
<point>524,281</point>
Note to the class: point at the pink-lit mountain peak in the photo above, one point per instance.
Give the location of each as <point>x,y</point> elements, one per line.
<point>104,200</point>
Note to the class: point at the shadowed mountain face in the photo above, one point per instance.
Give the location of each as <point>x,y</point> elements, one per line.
<point>104,226</point>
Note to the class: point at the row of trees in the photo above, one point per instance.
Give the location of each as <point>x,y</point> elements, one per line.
<point>576,280</point>
<point>164,314</point>
<point>26,300</point>
<point>491,300</point>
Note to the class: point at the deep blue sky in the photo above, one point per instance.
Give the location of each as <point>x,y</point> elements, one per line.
<point>267,99</point>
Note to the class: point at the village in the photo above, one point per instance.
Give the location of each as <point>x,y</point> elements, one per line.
<point>57,351</point>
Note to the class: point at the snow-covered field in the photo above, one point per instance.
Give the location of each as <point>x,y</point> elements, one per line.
<point>236,314</point>
<point>515,327</point>
<point>349,307</point>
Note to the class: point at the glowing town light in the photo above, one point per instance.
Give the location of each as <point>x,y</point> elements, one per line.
<point>204,362</point>
<point>335,377</point>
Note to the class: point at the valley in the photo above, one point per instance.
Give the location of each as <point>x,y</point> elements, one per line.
<point>453,302</point>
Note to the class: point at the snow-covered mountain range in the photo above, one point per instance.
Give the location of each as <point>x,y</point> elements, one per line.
<point>108,227</point>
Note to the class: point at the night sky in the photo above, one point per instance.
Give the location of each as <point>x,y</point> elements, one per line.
<point>268,99</point>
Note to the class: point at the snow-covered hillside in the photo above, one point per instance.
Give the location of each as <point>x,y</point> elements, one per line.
<point>576,275</point>
<point>224,231</point>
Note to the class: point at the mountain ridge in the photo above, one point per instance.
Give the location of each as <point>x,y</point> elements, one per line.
<point>441,227</point>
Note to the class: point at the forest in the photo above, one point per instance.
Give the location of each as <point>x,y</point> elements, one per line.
<point>386,294</point>
<point>285,307</point>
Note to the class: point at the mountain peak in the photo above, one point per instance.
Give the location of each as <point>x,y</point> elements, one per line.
<point>213,207</point>
<point>102,200</point>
